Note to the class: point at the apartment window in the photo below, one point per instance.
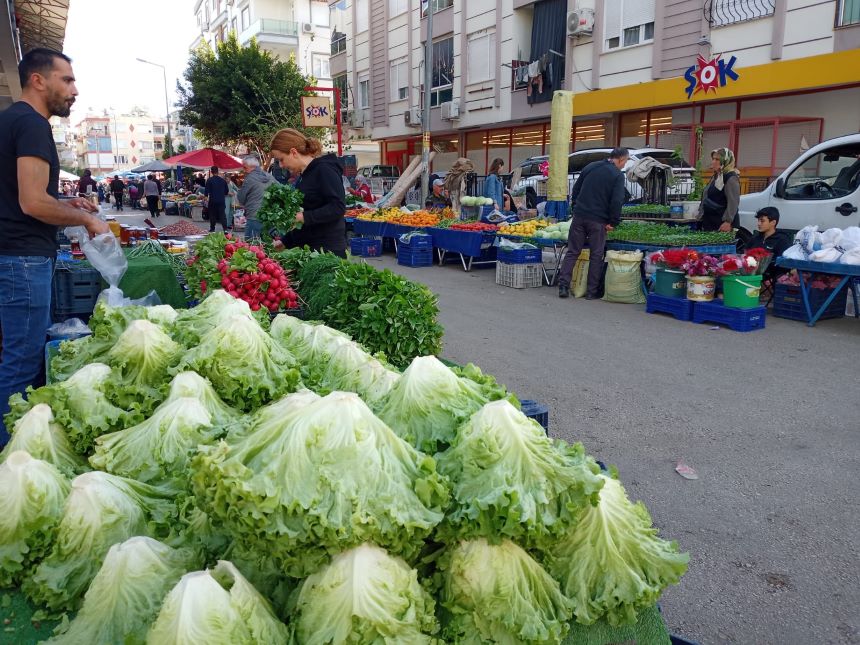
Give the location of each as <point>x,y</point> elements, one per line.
<point>146,145</point>
<point>320,66</point>
<point>246,17</point>
<point>119,159</point>
<point>341,84</point>
<point>396,7</point>
<point>234,26</point>
<point>364,93</point>
<point>338,42</point>
<point>399,80</point>
<point>443,72</point>
<point>628,23</point>
<point>438,5</point>
<point>361,16</point>
<point>320,13</point>
<point>158,129</point>
<point>159,146</point>
<point>849,12</point>
<point>482,56</point>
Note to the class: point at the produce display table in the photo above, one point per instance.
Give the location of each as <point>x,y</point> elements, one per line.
<point>849,273</point>
<point>467,244</point>
<point>365,227</point>
<point>558,248</point>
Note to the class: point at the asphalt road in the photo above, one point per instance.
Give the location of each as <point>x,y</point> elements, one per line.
<point>768,419</point>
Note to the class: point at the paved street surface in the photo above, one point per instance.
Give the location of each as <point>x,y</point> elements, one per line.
<point>768,419</point>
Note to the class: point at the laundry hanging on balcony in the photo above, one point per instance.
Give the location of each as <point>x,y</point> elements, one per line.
<point>549,38</point>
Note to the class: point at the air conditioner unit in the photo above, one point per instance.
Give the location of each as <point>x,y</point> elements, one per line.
<point>580,22</point>
<point>307,28</point>
<point>356,119</point>
<point>450,110</point>
<point>412,117</point>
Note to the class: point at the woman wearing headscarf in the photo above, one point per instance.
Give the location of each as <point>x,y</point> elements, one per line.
<point>323,227</point>
<point>719,208</point>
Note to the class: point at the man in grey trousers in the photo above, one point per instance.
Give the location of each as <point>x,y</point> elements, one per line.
<point>597,197</point>
<point>250,195</point>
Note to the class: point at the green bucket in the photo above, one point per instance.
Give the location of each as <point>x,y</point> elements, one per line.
<point>741,291</point>
<point>670,283</point>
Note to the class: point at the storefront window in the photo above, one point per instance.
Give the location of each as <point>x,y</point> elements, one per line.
<point>588,134</point>
<point>527,142</point>
<point>499,145</point>
<point>633,127</point>
<point>476,149</point>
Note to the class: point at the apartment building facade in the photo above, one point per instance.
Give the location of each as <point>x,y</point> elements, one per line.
<point>767,78</point>
<point>298,28</point>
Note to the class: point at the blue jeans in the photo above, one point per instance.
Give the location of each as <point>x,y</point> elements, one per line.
<point>25,315</point>
<point>253,229</point>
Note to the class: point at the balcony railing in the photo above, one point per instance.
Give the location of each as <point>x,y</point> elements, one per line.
<point>728,12</point>
<point>270,28</point>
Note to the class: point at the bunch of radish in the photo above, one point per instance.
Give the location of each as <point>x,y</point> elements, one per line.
<point>248,274</point>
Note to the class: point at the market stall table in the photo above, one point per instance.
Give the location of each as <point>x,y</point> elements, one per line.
<point>474,245</point>
<point>558,248</point>
<point>849,274</point>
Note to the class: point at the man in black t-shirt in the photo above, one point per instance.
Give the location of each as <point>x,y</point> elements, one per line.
<point>216,193</point>
<point>117,188</point>
<point>29,216</point>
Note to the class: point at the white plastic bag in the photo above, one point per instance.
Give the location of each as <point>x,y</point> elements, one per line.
<point>114,297</point>
<point>795,252</point>
<point>103,252</point>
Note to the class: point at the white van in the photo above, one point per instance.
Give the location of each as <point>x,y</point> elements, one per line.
<point>822,186</point>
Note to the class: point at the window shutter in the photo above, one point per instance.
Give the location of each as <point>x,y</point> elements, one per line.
<point>637,12</point>
<point>612,19</point>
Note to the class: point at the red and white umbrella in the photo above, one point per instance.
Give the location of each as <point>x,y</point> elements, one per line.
<point>205,158</point>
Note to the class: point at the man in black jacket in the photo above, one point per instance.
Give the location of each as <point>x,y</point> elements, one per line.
<point>216,191</point>
<point>768,237</point>
<point>117,188</point>
<point>597,197</point>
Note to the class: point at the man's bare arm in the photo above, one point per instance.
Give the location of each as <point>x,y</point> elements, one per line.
<point>33,176</point>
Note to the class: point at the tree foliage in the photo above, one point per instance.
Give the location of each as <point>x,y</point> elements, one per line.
<point>236,95</point>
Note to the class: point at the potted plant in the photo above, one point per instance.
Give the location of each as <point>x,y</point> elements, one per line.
<point>702,278</point>
<point>669,278</point>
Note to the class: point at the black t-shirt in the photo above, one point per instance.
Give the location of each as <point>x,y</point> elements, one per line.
<point>216,190</point>
<point>25,133</point>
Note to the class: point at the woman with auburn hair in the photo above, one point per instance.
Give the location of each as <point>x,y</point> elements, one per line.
<point>320,181</point>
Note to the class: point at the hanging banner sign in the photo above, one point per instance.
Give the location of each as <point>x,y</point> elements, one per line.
<point>707,75</point>
<point>317,112</point>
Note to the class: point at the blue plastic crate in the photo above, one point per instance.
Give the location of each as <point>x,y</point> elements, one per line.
<point>519,256</point>
<point>735,319</point>
<point>74,290</point>
<point>418,258</point>
<point>680,308</point>
<point>536,411</point>
<point>417,242</point>
<point>366,247</point>
<point>788,303</point>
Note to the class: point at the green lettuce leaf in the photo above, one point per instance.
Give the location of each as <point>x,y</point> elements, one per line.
<point>351,369</point>
<point>611,563</point>
<point>364,596</point>
<point>31,504</point>
<point>100,511</point>
<point>499,594</point>
<point>219,306</point>
<point>244,364</point>
<point>492,389</point>
<point>429,402</point>
<point>311,343</point>
<point>37,434</point>
<point>126,593</point>
<point>509,480</point>
<point>79,405</point>
<point>216,607</point>
<point>326,477</point>
<point>158,450</point>
<point>141,359</point>
<point>191,384</point>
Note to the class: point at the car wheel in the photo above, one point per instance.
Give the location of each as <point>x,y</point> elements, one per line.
<point>531,198</point>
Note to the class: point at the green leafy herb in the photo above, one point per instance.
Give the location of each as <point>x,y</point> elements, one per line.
<point>278,211</point>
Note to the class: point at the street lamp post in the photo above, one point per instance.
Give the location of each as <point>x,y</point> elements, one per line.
<point>425,121</point>
<point>169,145</point>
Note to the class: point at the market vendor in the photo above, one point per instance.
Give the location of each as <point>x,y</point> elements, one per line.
<point>718,210</point>
<point>437,199</point>
<point>323,227</point>
<point>768,237</point>
<point>362,189</point>
<point>30,213</point>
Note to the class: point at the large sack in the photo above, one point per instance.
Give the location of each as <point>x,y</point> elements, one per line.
<point>624,277</point>
<point>579,281</point>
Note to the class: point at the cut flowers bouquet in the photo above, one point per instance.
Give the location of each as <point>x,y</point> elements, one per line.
<point>673,259</point>
<point>705,265</point>
<point>753,262</point>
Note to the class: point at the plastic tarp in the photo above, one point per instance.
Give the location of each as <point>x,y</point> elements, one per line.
<point>559,145</point>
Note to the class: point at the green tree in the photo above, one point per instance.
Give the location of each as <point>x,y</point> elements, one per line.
<point>240,96</point>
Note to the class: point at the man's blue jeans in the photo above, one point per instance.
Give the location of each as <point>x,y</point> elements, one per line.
<point>25,315</point>
<point>253,229</point>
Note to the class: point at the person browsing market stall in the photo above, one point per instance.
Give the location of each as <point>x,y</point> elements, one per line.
<point>718,210</point>
<point>323,227</point>
<point>493,186</point>
<point>30,213</point>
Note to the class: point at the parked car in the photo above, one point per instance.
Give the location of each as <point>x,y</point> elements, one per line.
<point>682,186</point>
<point>379,170</point>
<point>821,187</point>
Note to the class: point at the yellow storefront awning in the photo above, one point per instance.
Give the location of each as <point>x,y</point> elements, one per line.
<point>778,77</point>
